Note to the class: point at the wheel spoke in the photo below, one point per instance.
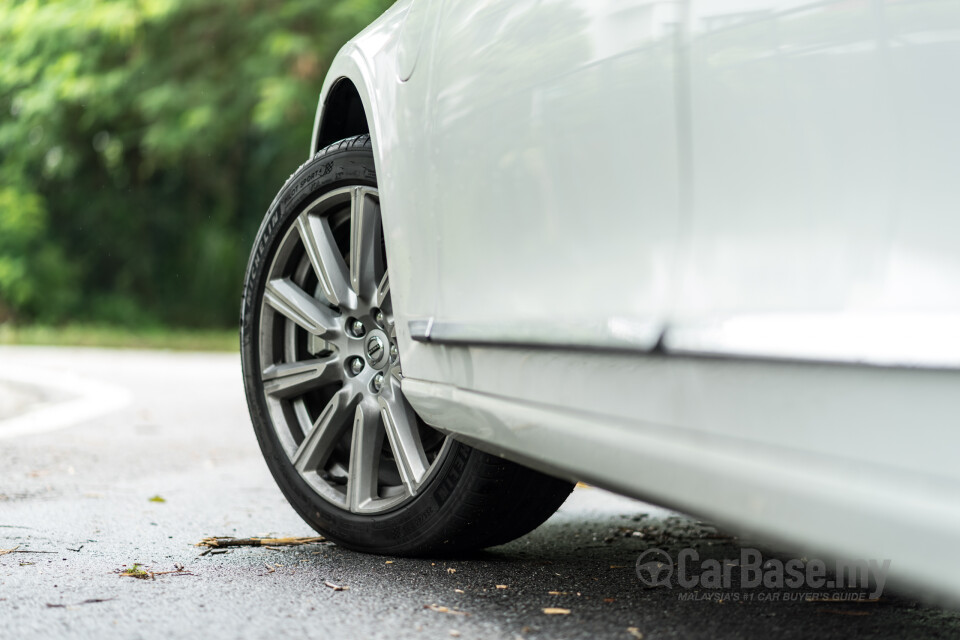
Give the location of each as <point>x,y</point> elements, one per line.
<point>401,426</point>
<point>365,450</point>
<point>300,307</point>
<point>383,291</point>
<point>328,264</point>
<point>364,231</point>
<point>293,378</point>
<point>316,448</point>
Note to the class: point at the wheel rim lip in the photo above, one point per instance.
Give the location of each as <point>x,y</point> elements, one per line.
<point>365,307</point>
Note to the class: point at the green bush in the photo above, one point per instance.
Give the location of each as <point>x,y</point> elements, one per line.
<point>142,140</point>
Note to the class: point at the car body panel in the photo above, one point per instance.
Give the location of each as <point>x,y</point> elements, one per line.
<point>824,152</point>
<point>734,291</point>
<point>827,496</point>
<point>525,99</point>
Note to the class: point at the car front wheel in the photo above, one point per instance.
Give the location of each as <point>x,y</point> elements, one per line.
<point>323,373</point>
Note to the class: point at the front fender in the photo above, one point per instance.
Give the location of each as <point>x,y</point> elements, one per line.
<point>398,120</point>
<point>368,61</point>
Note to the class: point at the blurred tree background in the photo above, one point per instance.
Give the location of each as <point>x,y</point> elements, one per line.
<point>141,142</point>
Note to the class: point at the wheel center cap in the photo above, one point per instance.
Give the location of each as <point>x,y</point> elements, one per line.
<point>375,349</point>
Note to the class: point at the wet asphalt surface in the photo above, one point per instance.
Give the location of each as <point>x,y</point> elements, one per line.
<point>75,503</point>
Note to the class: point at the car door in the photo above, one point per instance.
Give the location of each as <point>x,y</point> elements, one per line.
<point>823,146</point>
<point>553,174</point>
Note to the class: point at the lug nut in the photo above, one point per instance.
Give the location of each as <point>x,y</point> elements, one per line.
<point>356,328</point>
<point>378,382</point>
<point>356,365</point>
<point>379,318</point>
<point>394,353</point>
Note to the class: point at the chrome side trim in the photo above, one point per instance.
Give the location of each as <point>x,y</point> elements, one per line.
<point>617,334</point>
<point>420,329</point>
<point>888,340</point>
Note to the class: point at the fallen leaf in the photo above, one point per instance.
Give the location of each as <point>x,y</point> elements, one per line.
<point>336,587</point>
<point>459,590</point>
<point>440,609</point>
<point>635,632</point>
<point>389,562</point>
<point>454,633</point>
<point>556,611</point>
<point>451,570</point>
<point>136,571</point>
<point>157,499</point>
<point>609,599</point>
<point>501,586</point>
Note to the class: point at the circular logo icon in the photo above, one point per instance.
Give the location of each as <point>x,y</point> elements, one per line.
<point>655,568</point>
<point>375,349</point>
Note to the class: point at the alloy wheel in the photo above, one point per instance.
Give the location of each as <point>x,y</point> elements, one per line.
<point>330,365</point>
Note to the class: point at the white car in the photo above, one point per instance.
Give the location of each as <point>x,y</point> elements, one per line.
<point>705,253</point>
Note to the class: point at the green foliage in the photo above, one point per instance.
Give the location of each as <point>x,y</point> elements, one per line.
<point>141,142</point>
<point>113,337</point>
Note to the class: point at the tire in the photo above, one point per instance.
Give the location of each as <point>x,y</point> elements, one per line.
<point>322,377</point>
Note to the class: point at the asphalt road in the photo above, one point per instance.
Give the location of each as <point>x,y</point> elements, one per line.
<point>88,437</point>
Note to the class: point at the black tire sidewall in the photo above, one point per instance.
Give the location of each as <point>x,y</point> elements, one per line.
<point>416,524</point>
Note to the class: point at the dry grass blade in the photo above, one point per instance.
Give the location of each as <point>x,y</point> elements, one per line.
<point>88,601</point>
<point>257,542</point>
<point>177,572</point>
<point>844,612</point>
<point>336,587</point>
<point>4,552</point>
<point>841,600</point>
<point>556,611</point>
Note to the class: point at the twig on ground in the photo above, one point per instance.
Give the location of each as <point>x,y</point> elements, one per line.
<point>257,542</point>
<point>88,601</point>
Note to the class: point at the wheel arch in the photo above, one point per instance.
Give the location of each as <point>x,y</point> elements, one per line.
<point>340,114</point>
<point>360,86</point>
